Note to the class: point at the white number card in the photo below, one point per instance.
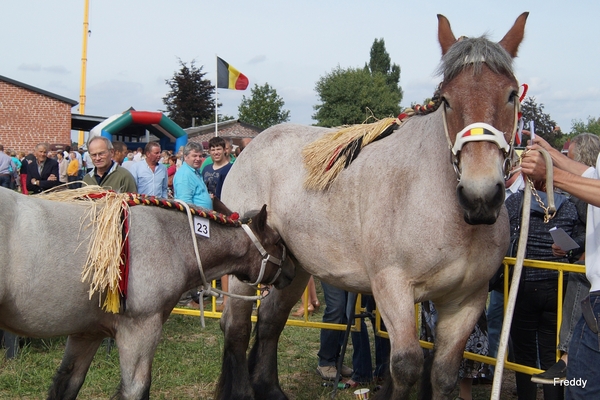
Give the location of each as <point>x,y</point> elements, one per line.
<point>202,226</point>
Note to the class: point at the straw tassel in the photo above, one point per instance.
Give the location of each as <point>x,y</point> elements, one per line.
<point>326,157</point>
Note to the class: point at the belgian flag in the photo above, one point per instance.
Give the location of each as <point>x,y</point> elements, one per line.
<point>229,77</point>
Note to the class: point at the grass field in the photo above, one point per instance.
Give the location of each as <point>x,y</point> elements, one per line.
<point>186,366</point>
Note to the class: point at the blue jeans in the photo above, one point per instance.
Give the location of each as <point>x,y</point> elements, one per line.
<point>578,288</point>
<point>5,181</point>
<point>10,342</point>
<point>495,317</point>
<point>335,312</point>
<point>361,358</point>
<point>584,358</point>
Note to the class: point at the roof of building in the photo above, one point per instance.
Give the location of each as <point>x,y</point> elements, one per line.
<point>199,130</point>
<point>38,90</point>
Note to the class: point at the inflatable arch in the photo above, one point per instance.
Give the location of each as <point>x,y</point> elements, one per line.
<point>162,126</point>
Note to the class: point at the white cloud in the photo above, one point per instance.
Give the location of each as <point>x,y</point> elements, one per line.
<point>258,59</point>
<point>30,67</point>
<point>57,69</point>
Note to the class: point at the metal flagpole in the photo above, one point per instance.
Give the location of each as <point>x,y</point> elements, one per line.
<point>217,98</point>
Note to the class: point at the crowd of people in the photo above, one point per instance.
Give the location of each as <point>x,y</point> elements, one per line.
<point>148,170</point>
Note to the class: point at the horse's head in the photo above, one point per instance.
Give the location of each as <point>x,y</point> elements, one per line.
<point>275,269</point>
<point>479,94</point>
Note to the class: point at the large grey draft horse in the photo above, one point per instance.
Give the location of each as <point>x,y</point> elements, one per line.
<point>394,223</point>
<point>42,297</point>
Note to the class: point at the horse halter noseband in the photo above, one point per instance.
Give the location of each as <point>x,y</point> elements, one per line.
<point>482,132</point>
<point>266,257</point>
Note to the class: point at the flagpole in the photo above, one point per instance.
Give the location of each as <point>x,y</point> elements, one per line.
<point>217,98</point>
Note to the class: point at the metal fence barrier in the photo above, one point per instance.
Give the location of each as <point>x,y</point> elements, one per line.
<point>508,261</point>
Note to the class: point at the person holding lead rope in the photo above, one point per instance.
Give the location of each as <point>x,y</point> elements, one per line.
<point>583,369</point>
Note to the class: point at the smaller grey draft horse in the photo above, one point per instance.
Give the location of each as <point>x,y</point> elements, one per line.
<point>41,298</point>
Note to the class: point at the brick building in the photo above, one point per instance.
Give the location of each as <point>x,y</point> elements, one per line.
<point>29,115</point>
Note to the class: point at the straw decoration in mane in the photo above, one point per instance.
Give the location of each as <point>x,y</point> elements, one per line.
<point>106,267</point>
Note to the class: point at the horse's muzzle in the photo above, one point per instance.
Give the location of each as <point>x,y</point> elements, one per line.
<point>480,206</point>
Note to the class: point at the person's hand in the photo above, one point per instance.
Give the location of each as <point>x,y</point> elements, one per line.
<point>541,142</point>
<point>557,251</point>
<point>533,164</point>
<point>52,177</point>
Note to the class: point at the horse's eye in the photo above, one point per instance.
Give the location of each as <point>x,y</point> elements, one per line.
<point>445,101</point>
<point>513,96</point>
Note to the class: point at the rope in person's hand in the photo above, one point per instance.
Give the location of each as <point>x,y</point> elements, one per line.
<point>518,268</point>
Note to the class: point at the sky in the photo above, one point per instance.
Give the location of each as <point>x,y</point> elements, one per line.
<point>135,46</point>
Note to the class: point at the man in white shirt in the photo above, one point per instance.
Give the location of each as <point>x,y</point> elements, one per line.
<point>583,182</point>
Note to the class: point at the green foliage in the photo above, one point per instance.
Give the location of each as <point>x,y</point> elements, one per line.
<point>544,125</point>
<point>592,126</point>
<point>381,62</point>
<point>191,96</point>
<point>350,96</point>
<point>225,117</point>
<point>264,108</point>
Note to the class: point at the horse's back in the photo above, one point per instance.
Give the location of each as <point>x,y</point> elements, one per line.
<point>42,252</point>
<point>388,207</point>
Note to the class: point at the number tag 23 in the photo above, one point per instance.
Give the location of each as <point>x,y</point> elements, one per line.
<point>202,226</point>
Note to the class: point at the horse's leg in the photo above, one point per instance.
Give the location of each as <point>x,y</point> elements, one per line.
<point>79,353</point>
<point>272,316</point>
<point>137,340</point>
<point>234,382</point>
<point>455,324</point>
<point>395,302</point>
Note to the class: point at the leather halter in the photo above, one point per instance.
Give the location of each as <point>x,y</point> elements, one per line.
<point>266,257</point>
<point>482,132</point>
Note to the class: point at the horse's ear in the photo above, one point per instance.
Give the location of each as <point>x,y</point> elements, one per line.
<point>219,207</point>
<point>511,41</point>
<point>261,219</point>
<point>445,35</point>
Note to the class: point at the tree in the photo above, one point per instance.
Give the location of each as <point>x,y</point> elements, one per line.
<point>350,96</point>
<point>380,62</point>
<point>592,126</point>
<point>543,124</point>
<point>264,108</point>
<point>191,96</point>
